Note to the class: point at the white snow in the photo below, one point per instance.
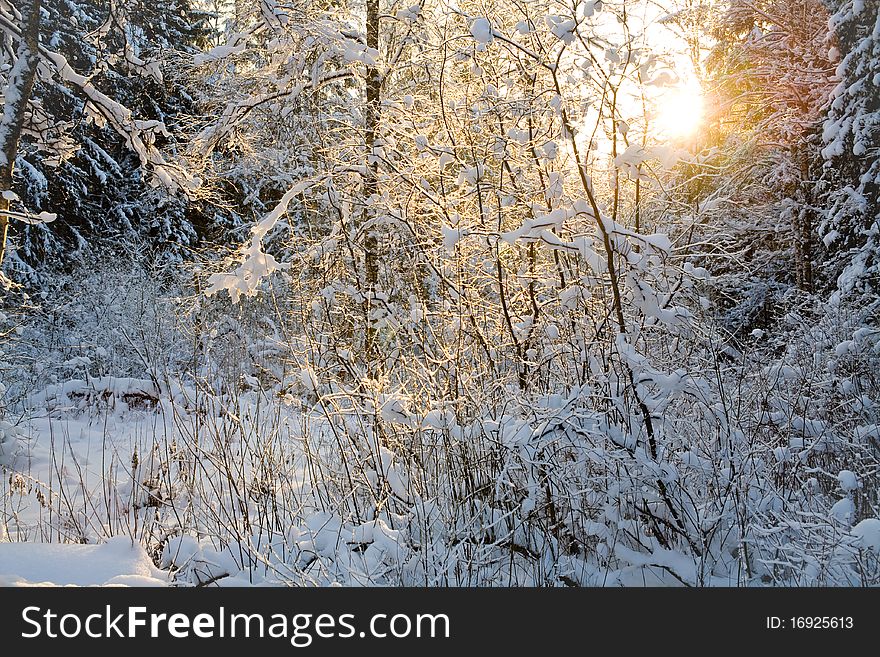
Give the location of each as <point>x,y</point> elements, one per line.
<point>481,30</point>
<point>409,15</point>
<point>220,52</point>
<point>118,562</point>
<point>843,510</point>
<point>630,159</point>
<point>451,236</point>
<point>255,265</point>
<point>393,410</point>
<point>868,533</point>
<point>848,480</point>
<point>562,28</point>
<point>33,220</point>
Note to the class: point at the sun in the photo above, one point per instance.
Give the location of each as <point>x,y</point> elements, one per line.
<point>679,111</point>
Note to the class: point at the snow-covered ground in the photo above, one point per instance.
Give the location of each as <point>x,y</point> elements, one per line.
<point>95,470</point>
<point>119,481</point>
<point>57,461</point>
<point>118,562</point>
<point>218,496</point>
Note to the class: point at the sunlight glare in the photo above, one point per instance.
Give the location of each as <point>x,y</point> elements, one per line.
<point>679,111</point>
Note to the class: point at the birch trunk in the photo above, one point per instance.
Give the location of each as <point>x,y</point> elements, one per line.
<point>16,96</point>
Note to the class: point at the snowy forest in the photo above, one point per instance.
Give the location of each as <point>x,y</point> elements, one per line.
<point>548,293</point>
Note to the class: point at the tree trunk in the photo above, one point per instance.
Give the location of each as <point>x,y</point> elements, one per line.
<point>803,226</point>
<point>803,233</point>
<point>16,96</point>
<point>371,181</point>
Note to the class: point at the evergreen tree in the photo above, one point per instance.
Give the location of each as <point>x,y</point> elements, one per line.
<point>772,71</point>
<point>76,158</point>
<point>851,179</point>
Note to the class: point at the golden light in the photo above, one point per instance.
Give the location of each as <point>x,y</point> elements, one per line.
<point>679,111</point>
